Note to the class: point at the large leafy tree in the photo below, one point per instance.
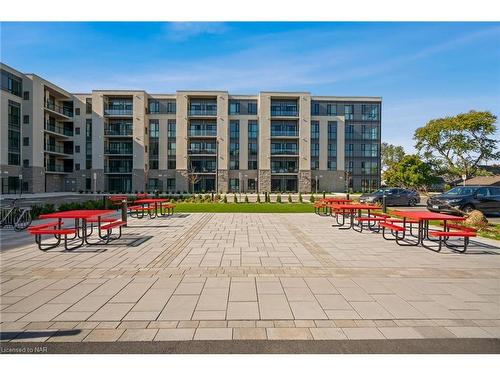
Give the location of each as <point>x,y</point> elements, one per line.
<point>410,172</point>
<point>391,154</point>
<point>459,144</point>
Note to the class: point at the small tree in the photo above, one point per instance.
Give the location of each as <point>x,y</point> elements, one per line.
<point>311,198</point>
<point>289,198</point>
<point>235,199</point>
<point>324,195</point>
<point>225,198</point>
<point>266,197</point>
<point>258,198</point>
<point>278,198</point>
<point>193,179</point>
<point>300,198</point>
<point>246,198</point>
<point>390,154</point>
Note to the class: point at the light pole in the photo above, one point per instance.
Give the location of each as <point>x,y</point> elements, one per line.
<point>317,182</point>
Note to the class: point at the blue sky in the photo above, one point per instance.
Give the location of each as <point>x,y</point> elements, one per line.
<point>422,70</point>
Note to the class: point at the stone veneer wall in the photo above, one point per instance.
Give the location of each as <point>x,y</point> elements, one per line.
<point>264,180</point>
<point>222,180</point>
<point>304,181</point>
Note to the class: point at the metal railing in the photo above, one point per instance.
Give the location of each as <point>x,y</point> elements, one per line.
<point>120,131</point>
<point>58,129</point>
<point>118,111</point>
<point>56,168</point>
<point>118,169</point>
<point>59,109</point>
<point>57,148</point>
<point>284,112</point>
<point>284,133</point>
<point>209,151</point>
<point>202,112</point>
<point>118,150</point>
<point>202,133</point>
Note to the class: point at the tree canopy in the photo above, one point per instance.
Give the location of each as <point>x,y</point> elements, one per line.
<point>410,172</point>
<point>459,144</point>
<point>391,154</point>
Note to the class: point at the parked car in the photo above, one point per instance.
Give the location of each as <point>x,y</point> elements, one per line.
<point>393,197</point>
<point>467,198</point>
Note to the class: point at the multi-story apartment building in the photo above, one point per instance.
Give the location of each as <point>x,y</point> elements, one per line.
<point>127,141</point>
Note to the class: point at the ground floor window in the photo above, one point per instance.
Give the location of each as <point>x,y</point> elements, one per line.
<point>284,184</point>
<point>171,184</point>
<point>154,184</point>
<point>234,185</point>
<point>252,184</point>
<point>119,184</point>
<point>88,184</point>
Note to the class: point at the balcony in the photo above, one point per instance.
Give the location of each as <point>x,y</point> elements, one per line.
<point>51,106</point>
<point>285,152</point>
<point>118,111</point>
<point>202,151</point>
<point>201,170</point>
<point>118,169</point>
<point>289,170</point>
<point>118,150</point>
<point>119,131</point>
<point>284,133</point>
<point>58,129</point>
<point>202,133</point>
<point>58,149</point>
<point>202,112</point>
<point>55,168</point>
<point>284,112</point>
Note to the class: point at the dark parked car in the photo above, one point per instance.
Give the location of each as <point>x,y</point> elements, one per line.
<point>467,198</point>
<point>393,197</point>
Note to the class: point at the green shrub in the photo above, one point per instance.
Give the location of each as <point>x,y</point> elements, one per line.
<point>312,199</point>
<point>278,198</point>
<point>300,198</point>
<point>225,198</point>
<point>289,198</point>
<point>235,199</point>
<point>258,198</point>
<point>246,198</point>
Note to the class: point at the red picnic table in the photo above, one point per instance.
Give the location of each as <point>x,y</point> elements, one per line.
<point>327,202</point>
<point>80,231</point>
<point>152,207</point>
<point>423,218</point>
<point>350,210</point>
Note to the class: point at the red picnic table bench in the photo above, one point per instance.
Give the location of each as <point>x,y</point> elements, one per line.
<point>424,233</point>
<point>82,218</point>
<point>152,206</point>
<point>350,210</point>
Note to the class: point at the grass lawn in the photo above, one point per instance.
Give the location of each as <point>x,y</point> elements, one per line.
<point>245,207</point>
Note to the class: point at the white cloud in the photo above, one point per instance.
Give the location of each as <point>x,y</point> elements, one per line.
<point>181,31</point>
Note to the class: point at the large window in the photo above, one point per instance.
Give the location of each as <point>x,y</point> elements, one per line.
<point>171,145</point>
<point>314,145</point>
<point>88,106</point>
<point>234,144</point>
<point>162,106</point>
<point>234,184</point>
<point>349,112</point>
<point>331,109</point>
<point>88,144</point>
<point>252,144</point>
<point>154,138</point>
<point>284,108</point>
<point>234,107</point>
<point>370,112</point>
<point>369,150</point>
<point>14,128</point>
<point>12,83</point>
<point>349,132</point>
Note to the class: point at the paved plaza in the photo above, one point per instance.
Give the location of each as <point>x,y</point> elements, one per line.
<point>246,277</point>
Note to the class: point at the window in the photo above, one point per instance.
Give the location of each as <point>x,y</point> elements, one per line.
<point>154,140</point>
<point>331,109</point>
<point>26,163</point>
<point>349,132</point>
<point>252,164</point>
<point>314,108</point>
<point>234,184</point>
<point>315,150</point>
<point>161,106</point>
<point>332,150</point>
<point>171,164</point>
<point>11,83</point>
<point>88,143</point>
<point>234,145</point>
<point>349,149</point>
<point>369,150</point>
<point>88,106</point>
<point>26,119</point>
<point>332,165</point>
<point>26,95</point>
<point>234,129</point>
<point>252,108</point>
<point>234,164</point>
<point>14,132</point>
<point>77,111</point>
<point>332,129</point>
<point>171,184</point>
<point>77,166</point>
<point>234,107</point>
<point>253,129</point>
<point>349,112</point>
<point>77,149</point>
<point>252,149</point>
<point>77,131</point>
<point>26,141</point>
<point>370,112</point>
<point>314,130</point>
<point>88,184</point>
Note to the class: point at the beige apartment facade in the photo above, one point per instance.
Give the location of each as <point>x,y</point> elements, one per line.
<point>125,141</point>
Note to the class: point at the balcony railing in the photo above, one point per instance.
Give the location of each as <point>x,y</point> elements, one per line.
<point>58,148</point>
<point>110,111</point>
<point>119,131</point>
<point>117,169</point>
<point>202,133</point>
<point>54,128</point>
<point>284,112</point>
<point>284,133</point>
<point>201,170</point>
<point>57,168</point>
<point>202,112</point>
<point>59,109</point>
<point>202,151</point>
<point>284,170</point>
<point>118,150</point>
<point>294,152</point>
